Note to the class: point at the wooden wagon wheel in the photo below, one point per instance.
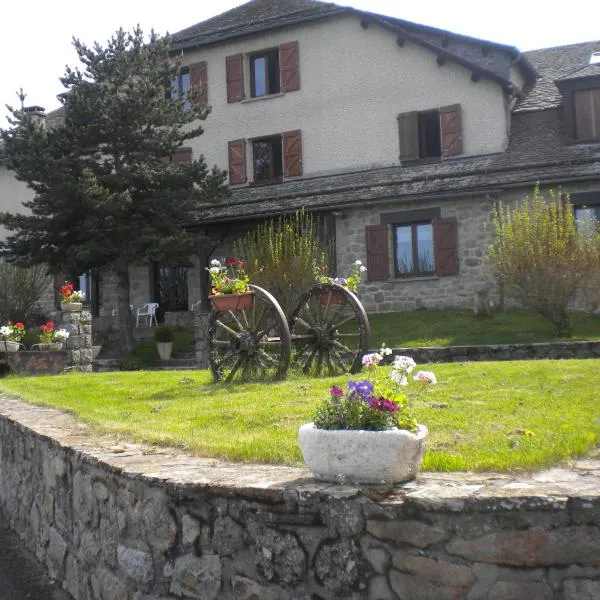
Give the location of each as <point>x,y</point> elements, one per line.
<point>330,330</point>
<point>252,344</point>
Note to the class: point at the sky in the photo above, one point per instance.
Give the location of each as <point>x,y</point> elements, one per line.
<point>35,39</point>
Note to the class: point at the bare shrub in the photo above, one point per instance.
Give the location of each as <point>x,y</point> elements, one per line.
<point>20,290</point>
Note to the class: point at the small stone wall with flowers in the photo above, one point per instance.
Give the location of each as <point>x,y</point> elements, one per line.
<point>120,521</point>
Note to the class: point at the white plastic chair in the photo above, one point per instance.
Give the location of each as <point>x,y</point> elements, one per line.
<point>147,310</point>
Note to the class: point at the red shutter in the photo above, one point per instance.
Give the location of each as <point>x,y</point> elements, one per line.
<point>199,80</point>
<point>451,124</point>
<point>292,153</point>
<point>377,252</point>
<point>237,162</point>
<point>408,130</point>
<point>289,66</point>
<point>234,67</point>
<point>182,156</point>
<point>445,246</point>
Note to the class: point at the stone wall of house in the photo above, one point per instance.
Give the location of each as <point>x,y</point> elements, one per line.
<point>457,291</point>
<point>117,521</point>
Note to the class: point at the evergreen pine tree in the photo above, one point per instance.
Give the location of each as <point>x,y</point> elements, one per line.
<point>107,194</point>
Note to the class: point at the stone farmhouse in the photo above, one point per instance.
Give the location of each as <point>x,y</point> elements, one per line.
<point>402,138</point>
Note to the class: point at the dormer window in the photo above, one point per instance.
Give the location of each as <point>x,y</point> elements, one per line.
<point>586,105</point>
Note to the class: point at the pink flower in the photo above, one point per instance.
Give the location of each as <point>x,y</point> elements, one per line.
<point>425,376</point>
<point>336,391</point>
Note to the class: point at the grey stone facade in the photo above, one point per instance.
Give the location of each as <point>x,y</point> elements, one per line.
<point>124,522</point>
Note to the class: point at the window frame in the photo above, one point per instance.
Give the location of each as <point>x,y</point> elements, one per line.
<point>272,72</point>
<point>275,140</point>
<point>568,89</point>
<point>415,272</point>
<point>180,91</point>
<point>424,122</point>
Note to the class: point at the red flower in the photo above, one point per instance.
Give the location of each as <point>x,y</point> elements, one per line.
<point>20,325</point>
<point>43,328</point>
<point>231,261</point>
<point>50,325</point>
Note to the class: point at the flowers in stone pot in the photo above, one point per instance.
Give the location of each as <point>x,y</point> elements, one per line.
<point>350,282</point>
<point>230,284</point>
<point>364,431</point>
<point>11,335</point>
<point>49,336</point>
<point>69,294</point>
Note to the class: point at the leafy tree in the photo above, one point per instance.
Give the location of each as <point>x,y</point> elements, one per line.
<point>543,259</point>
<point>107,195</point>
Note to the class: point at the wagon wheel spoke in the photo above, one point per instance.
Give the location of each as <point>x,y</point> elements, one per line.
<point>331,320</point>
<point>249,344</point>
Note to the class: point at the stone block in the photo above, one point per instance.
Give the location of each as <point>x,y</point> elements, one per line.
<point>379,589</point>
<point>248,589</point>
<point>345,518</point>
<point>520,590</point>
<point>227,537</point>
<point>136,564</point>
<point>159,526</point>
<point>436,571</point>
<point>580,589</point>
<point>279,556</point>
<point>412,587</point>
<point>533,547</point>
<point>56,554</point>
<point>197,577</point>
<point>337,565</point>
<point>190,529</point>
<point>410,532</point>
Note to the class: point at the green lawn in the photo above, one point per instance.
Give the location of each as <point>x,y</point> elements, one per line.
<point>460,327</point>
<point>481,416</point>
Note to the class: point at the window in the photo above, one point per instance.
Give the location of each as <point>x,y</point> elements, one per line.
<point>413,249</point>
<point>264,73</point>
<point>421,241</point>
<point>430,138</point>
<point>170,288</point>
<point>271,71</point>
<point>180,86</point>
<point>267,159</point>
<point>273,158</point>
<point>587,114</point>
<point>431,133</point>
<point>587,218</point>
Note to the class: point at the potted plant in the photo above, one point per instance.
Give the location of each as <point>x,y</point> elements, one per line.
<point>230,285</point>
<point>51,338</point>
<point>11,336</point>
<point>365,433</point>
<point>164,341</point>
<point>351,282</point>
<point>70,298</point>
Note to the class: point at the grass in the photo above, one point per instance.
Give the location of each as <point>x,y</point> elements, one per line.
<point>481,416</point>
<point>460,327</point>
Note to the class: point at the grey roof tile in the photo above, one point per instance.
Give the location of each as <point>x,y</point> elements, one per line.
<point>553,64</point>
<point>254,16</point>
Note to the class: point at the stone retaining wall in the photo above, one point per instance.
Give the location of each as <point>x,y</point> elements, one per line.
<point>117,521</point>
<point>438,354</point>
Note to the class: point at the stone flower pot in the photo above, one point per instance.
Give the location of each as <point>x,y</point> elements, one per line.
<point>71,306</point>
<point>6,346</point>
<point>164,350</point>
<point>359,456</point>
<point>48,346</point>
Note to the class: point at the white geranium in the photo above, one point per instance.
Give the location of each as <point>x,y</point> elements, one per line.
<point>61,335</point>
<point>5,330</point>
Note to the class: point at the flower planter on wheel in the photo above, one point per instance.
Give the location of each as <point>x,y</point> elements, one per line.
<point>226,302</point>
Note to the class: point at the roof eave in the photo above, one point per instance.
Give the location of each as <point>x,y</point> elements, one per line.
<point>225,36</point>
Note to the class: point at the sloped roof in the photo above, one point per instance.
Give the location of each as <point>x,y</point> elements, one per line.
<point>553,64</point>
<point>582,73</point>
<point>253,17</point>
<point>487,59</point>
<point>537,152</point>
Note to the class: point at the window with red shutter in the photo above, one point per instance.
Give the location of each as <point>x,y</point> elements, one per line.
<point>430,133</point>
<point>377,252</point>
<point>199,81</point>
<point>234,70</point>
<point>446,246</point>
<point>587,114</point>
<point>292,153</point>
<point>451,125</point>
<point>237,162</point>
<point>289,61</point>
<point>182,156</point>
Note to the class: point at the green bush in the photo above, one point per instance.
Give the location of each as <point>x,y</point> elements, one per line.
<point>282,254</point>
<point>164,334</point>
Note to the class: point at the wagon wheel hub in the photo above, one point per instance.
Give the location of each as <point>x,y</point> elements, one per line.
<point>324,336</point>
<point>246,342</point>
